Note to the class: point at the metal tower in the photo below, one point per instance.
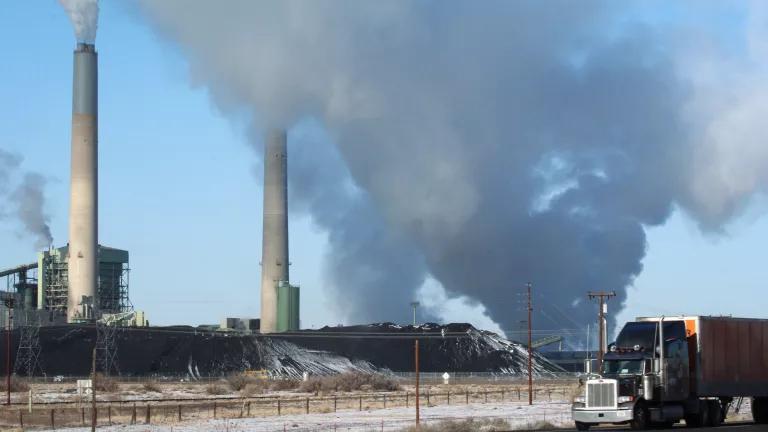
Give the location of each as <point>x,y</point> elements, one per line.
<point>106,348</point>
<point>28,354</point>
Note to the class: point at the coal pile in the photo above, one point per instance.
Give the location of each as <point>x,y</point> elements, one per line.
<point>182,351</point>
<point>454,347</point>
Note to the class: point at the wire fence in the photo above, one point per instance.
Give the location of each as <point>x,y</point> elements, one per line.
<point>168,411</point>
<point>430,377</point>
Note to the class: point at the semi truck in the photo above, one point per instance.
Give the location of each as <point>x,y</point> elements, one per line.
<point>663,370</point>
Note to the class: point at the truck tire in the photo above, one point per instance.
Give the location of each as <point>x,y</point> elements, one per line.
<point>715,413</point>
<point>760,410</point>
<point>640,420</point>
<point>698,419</point>
<point>582,426</point>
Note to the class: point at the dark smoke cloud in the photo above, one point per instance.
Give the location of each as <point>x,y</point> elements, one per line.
<point>482,144</point>
<point>25,201</point>
<point>29,200</point>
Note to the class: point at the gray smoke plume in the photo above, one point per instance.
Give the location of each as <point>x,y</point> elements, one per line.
<point>24,202</point>
<point>84,15</point>
<point>9,162</point>
<point>484,144</point>
<point>29,201</point>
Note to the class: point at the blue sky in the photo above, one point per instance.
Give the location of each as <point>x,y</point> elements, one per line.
<point>179,186</point>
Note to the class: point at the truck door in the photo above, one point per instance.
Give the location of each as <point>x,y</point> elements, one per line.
<point>676,369</point>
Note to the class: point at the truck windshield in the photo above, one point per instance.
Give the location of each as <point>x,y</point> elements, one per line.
<point>637,333</point>
<point>622,367</point>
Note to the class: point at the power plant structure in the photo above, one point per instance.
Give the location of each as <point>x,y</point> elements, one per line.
<point>82,281</point>
<point>82,260</point>
<point>42,288</point>
<point>279,299</point>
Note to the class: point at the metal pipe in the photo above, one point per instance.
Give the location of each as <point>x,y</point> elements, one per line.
<point>83,202</point>
<point>274,256</point>
<point>19,269</point>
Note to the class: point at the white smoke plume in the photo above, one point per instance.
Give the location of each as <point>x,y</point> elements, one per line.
<point>481,144</point>
<point>84,15</point>
<point>24,202</point>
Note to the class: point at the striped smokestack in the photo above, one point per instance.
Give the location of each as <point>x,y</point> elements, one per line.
<point>83,201</point>
<point>274,256</point>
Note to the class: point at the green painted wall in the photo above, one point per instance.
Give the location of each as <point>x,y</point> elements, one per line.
<point>287,307</point>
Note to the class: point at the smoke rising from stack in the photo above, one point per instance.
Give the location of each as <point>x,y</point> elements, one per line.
<point>26,200</point>
<point>84,15</point>
<point>484,145</point>
<point>30,200</point>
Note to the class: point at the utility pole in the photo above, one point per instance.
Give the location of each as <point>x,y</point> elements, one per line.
<point>603,298</point>
<point>414,305</point>
<point>8,359</point>
<point>93,391</point>
<point>530,348</point>
<point>9,306</point>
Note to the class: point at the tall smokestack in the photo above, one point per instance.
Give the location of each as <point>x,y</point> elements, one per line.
<point>83,200</point>
<point>274,255</point>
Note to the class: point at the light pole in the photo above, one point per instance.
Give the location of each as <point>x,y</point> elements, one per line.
<point>530,349</point>
<point>414,305</point>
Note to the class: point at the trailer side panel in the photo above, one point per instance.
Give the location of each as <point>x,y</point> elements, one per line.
<point>732,357</point>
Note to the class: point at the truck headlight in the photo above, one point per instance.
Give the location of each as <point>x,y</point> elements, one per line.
<point>580,399</point>
<point>625,399</point>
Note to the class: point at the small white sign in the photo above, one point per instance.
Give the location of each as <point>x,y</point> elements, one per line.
<point>84,387</point>
<point>446,378</point>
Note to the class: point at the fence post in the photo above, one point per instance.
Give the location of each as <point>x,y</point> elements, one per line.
<point>449,397</point>
<point>21,419</point>
<point>427,397</point>
<point>307,406</point>
<point>502,395</point>
<point>179,412</point>
<point>53,425</point>
<point>109,414</point>
<point>406,399</point>
<point>214,409</point>
<point>334,403</point>
<point>361,403</point>
<point>466,395</point>
<point>518,393</point>
<point>133,415</point>
<point>249,408</point>
<point>149,414</point>
<point>278,406</point>
<point>385,401</point>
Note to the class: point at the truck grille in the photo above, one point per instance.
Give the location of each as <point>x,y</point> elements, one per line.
<point>601,394</point>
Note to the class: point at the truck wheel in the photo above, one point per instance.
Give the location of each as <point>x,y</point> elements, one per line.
<point>698,419</point>
<point>582,426</point>
<point>640,419</point>
<point>715,413</point>
<point>760,410</point>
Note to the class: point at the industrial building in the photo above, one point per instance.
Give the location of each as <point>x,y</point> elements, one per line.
<point>44,286</point>
<point>84,282</point>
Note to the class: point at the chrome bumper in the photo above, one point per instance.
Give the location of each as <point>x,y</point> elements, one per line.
<point>601,416</point>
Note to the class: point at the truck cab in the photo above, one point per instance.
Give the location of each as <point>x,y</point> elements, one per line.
<point>645,380</point>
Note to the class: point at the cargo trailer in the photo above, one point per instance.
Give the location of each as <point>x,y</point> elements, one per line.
<point>662,370</point>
